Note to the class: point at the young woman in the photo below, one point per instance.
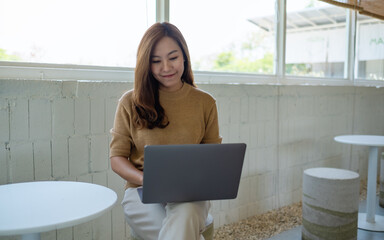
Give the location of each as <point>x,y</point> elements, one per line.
<point>165,107</point>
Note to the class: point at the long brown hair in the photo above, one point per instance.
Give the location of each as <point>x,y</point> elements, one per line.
<point>149,113</point>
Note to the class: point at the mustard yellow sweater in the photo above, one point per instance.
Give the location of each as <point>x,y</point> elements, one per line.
<point>192,116</point>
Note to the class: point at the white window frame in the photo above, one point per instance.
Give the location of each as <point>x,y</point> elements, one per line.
<point>66,72</point>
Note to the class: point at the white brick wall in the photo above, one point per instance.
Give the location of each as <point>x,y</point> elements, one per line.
<point>19,119</point>
<point>42,159</point>
<point>4,120</point>
<point>82,116</point>
<point>63,116</point>
<point>40,119</point>
<point>99,153</point>
<point>54,130</point>
<point>60,162</point>
<point>4,163</point>
<point>79,160</point>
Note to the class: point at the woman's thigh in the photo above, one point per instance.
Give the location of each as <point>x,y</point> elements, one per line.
<point>184,220</point>
<point>144,219</point>
<point>199,209</point>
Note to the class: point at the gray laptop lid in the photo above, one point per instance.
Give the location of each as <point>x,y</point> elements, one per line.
<point>191,172</point>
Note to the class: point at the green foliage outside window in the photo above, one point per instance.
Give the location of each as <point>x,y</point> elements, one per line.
<point>227,62</point>
<point>8,57</point>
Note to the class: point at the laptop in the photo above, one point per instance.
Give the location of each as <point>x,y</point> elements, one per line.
<point>191,172</point>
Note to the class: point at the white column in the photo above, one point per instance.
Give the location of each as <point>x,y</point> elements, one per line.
<point>162,10</point>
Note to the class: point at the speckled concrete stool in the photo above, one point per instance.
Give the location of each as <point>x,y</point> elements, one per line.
<point>207,233</point>
<point>330,204</point>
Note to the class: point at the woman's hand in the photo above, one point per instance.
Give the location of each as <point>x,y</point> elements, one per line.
<point>125,169</point>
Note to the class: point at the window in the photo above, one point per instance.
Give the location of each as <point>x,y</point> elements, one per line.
<point>315,40</point>
<point>370,48</point>
<point>86,32</point>
<point>226,35</point>
<point>39,38</point>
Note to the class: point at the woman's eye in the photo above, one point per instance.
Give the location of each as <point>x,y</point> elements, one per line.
<point>174,58</point>
<point>155,61</point>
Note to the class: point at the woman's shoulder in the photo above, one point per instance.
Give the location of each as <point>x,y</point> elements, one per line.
<point>127,96</point>
<point>202,95</point>
<point>126,99</point>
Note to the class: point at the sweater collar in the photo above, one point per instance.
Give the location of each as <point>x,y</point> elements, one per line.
<point>181,93</point>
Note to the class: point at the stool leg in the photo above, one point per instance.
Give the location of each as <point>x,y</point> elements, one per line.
<point>208,232</point>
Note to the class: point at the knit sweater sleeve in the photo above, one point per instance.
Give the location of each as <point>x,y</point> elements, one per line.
<point>212,126</point>
<point>121,142</point>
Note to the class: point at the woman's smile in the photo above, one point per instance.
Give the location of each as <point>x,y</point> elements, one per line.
<point>169,75</point>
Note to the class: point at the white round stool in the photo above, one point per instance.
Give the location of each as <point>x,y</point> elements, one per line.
<point>330,203</point>
<point>207,233</point>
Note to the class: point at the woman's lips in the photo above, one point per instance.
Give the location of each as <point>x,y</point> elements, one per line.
<point>169,75</point>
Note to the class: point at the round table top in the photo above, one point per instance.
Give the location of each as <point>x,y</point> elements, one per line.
<point>34,207</point>
<point>365,140</point>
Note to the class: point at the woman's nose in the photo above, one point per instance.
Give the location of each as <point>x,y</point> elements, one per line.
<point>166,65</point>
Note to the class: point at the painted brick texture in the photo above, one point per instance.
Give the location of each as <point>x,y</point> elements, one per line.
<point>54,130</point>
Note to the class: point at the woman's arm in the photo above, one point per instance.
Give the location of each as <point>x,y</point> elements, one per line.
<point>212,126</point>
<point>125,169</point>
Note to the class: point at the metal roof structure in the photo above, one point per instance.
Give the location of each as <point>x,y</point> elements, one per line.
<point>310,19</point>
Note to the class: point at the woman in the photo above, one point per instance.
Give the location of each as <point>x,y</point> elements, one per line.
<point>165,107</point>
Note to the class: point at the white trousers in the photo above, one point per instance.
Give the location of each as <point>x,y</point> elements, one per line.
<point>165,221</point>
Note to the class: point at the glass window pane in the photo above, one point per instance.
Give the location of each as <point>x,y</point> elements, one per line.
<point>370,48</point>
<point>316,39</point>
<point>229,36</point>
<point>89,32</point>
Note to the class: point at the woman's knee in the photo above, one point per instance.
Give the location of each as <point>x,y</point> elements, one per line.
<point>189,210</point>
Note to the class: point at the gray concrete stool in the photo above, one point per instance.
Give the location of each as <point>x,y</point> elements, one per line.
<point>330,204</point>
<point>207,233</point>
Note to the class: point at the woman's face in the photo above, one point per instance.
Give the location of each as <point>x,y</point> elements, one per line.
<point>167,64</point>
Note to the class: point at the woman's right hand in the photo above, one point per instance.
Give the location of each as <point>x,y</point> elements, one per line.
<point>125,169</point>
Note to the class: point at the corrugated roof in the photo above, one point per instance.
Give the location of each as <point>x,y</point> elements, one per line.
<point>309,18</point>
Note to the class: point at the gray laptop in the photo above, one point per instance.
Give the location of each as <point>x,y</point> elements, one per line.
<point>191,172</point>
